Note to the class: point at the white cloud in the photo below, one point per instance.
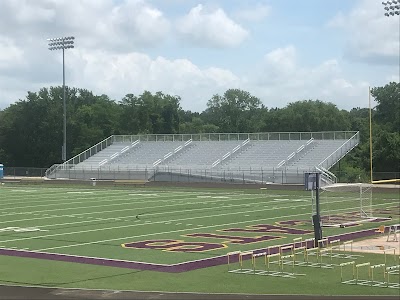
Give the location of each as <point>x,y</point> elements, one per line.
<point>371,36</point>
<point>281,79</point>
<point>121,48</point>
<point>119,74</point>
<point>123,26</point>
<point>213,28</point>
<point>9,53</point>
<point>255,13</point>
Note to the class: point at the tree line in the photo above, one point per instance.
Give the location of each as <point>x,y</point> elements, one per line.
<point>31,130</point>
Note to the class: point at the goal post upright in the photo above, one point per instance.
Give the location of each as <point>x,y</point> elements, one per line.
<point>347,203</point>
<point>312,183</point>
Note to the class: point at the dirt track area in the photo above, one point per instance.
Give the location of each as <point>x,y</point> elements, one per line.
<point>379,244</point>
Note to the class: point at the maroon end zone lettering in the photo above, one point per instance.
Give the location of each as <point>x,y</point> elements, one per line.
<point>174,245</point>
<point>386,211</point>
<point>293,222</point>
<point>269,228</point>
<point>151,244</point>
<point>195,247</point>
<point>234,239</point>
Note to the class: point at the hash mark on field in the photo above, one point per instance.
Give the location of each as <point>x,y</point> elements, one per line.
<point>153,195</point>
<point>79,192</point>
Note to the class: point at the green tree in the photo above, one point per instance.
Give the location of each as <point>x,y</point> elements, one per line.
<point>388,108</point>
<point>148,113</point>
<point>307,115</point>
<point>235,111</point>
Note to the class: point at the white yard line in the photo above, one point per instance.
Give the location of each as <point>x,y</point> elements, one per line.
<point>168,232</point>
<point>90,198</point>
<point>85,200</point>
<point>147,214</point>
<point>131,225</point>
<point>106,193</point>
<point>116,204</point>
<point>159,222</point>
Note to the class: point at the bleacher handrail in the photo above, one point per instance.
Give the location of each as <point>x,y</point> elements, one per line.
<point>259,136</point>
<point>327,177</point>
<point>215,163</point>
<point>281,163</point>
<point>157,162</point>
<point>333,157</point>
<point>171,153</point>
<point>78,158</point>
<point>228,154</point>
<point>330,174</point>
<point>295,153</point>
<point>118,153</point>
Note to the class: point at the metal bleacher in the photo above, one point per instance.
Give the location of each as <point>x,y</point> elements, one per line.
<point>257,157</point>
<point>145,154</point>
<point>316,154</point>
<point>203,153</point>
<point>262,153</point>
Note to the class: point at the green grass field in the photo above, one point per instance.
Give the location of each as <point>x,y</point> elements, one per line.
<point>172,223</point>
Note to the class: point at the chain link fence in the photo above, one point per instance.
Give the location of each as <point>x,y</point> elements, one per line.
<point>14,172</point>
<point>293,176</point>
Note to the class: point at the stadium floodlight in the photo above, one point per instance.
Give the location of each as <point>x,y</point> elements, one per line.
<point>392,8</point>
<point>63,43</point>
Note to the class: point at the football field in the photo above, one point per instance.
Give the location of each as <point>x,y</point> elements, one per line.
<point>170,230</point>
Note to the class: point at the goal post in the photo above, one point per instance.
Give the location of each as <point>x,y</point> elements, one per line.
<point>346,204</point>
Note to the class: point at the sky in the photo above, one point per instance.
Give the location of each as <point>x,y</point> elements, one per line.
<point>281,51</point>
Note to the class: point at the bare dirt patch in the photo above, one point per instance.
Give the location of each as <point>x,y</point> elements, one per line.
<point>378,245</point>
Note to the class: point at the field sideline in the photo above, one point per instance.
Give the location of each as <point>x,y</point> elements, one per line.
<point>160,226</point>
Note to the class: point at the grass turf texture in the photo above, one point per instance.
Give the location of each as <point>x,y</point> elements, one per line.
<point>95,221</point>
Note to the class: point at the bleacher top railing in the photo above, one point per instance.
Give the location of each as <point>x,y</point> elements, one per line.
<point>262,136</point>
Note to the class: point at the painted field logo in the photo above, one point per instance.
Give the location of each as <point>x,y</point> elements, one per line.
<point>174,245</point>
<point>183,246</point>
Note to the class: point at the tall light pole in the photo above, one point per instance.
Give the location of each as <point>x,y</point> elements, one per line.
<point>392,8</point>
<point>62,44</point>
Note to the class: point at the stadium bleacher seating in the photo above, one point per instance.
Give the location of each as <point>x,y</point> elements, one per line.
<point>270,156</point>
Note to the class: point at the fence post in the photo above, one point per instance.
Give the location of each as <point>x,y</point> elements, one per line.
<point>262,176</point>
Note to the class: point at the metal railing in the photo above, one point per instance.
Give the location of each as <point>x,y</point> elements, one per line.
<point>347,146</point>
<point>296,153</point>
<point>261,136</point>
<point>172,153</point>
<point>228,154</point>
<point>81,156</point>
<point>176,174</point>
